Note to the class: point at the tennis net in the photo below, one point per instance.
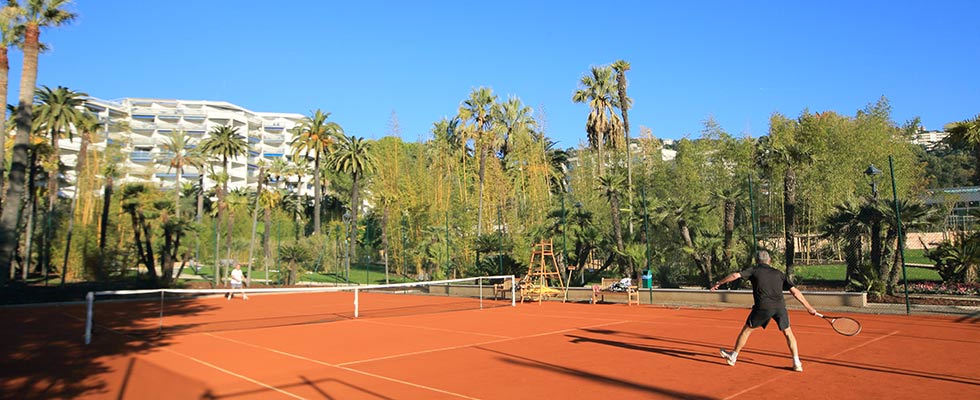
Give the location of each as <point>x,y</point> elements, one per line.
<point>155,312</point>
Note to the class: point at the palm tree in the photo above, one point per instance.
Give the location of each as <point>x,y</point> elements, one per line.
<point>224,143</point>
<point>353,156</point>
<point>915,215</point>
<point>729,198</point>
<point>788,155</point>
<point>8,37</point>
<point>317,136</point>
<point>36,15</point>
<point>967,133</point>
<point>516,121</point>
<point>179,147</point>
<point>479,107</point>
<point>849,221</point>
<point>602,125</point>
<point>611,186</point>
<point>58,110</point>
<point>110,172</point>
<point>620,67</point>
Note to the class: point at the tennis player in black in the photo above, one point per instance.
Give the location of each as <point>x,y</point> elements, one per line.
<point>768,285</point>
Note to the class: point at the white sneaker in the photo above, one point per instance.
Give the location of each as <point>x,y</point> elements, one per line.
<point>798,367</point>
<point>245,298</point>
<point>729,356</point>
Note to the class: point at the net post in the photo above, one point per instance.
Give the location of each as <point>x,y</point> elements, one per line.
<point>355,303</point>
<point>480,280</point>
<point>89,300</point>
<point>160,327</point>
<point>513,291</point>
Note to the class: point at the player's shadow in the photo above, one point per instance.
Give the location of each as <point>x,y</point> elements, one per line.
<point>525,362</point>
<point>703,357</point>
<point>814,359</point>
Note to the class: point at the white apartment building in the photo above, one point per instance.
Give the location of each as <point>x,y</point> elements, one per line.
<point>142,126</point>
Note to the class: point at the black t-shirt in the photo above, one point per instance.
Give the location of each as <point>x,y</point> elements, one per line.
<point>768,285</point>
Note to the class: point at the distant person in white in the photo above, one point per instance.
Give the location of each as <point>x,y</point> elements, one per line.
<point>237,281</point>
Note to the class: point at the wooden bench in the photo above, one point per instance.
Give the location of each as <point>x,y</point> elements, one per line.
<point>599,291</point>
<point>503,289</point>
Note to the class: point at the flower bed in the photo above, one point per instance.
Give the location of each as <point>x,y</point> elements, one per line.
<point>956,289</point>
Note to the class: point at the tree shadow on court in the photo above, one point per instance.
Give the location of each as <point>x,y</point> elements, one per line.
<point>525,362</point>
<point>43,354</point>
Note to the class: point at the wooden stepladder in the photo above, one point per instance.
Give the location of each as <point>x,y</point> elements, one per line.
<point>542,269</point>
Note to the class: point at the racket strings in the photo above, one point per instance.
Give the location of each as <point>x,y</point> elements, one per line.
<point>847,326</point>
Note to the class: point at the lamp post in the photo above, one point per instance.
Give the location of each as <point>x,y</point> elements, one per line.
<point>347,248</point>
<point>872,172</point>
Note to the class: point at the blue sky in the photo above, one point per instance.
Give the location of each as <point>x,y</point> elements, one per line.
<point>738,61</point>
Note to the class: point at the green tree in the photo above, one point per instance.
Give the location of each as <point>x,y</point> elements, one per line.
<point>611,186</point>
<point>480,108</point>
<point>602,125</point>
<point>316,136</point>
<point>58,110</point>
<point>182,157</point>
<point>37,14</point>
<point>782,150</point>
<point>224,143</point>
<point>620,67</point>
<point>8,37</point>
<point>967,133</point>
<point>353,157</point>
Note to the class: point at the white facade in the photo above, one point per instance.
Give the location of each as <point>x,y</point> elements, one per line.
<point>142,126</point>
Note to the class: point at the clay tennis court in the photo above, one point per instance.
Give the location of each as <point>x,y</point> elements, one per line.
<point>214,348</point>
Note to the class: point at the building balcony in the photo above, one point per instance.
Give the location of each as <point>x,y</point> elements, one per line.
<point>141,156</point>
<point>141,125</point>
<point>164,156</point>
<point>273,138</point>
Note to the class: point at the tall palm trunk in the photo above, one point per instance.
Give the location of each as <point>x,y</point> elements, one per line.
<point>32,210</point>
<point>353,211</point>
<point>316,194</point>
<point>384,238</point>
<point>789,215</point>
<point>483,170</point>
<point>10,217</point>
<point>224,215</point>
<point>729,232</point>
<point>4,72</point>
<point>618,231</point>
<point>177,189</point>
<point>200,196</point>
<point>106,205</point>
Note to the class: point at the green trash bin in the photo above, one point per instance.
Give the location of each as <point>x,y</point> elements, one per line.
<point>647,279</point>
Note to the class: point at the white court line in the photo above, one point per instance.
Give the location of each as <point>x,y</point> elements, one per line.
<point>343,366</point>
<point>435,329</point>
<point>240,376</point>
<point>324,363</point>
<point>783,375</point>
<point>472,345</point>
<point>863,344</point>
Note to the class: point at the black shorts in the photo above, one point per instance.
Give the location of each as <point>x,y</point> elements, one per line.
<point>760,318</point>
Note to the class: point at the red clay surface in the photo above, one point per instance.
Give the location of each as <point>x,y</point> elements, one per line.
<point>550,350</point>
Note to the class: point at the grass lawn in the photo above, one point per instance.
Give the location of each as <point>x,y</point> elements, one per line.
<point>835,272</point>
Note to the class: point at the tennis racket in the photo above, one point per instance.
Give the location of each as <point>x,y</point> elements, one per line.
<point>846,326</point>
